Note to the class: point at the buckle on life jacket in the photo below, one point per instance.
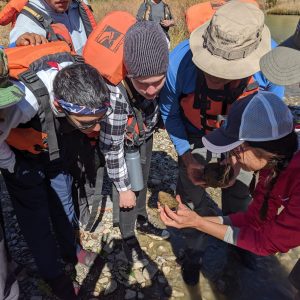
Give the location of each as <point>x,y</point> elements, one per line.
<point>29,76</point>
<point>79,59</point>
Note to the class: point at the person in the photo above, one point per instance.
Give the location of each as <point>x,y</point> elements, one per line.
<point>146,65</point>
<point>10,95</point>
<point>74,15</point>
<point>40,186</point>
<point>258,136</point>
<point>9,288</point>
<point>281,66</point>
<point>157,11</point>
<point>206,75</point>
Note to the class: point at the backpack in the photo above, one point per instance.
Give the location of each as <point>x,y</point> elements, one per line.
<point>200,13</point>
<point>54,31</point>
<point>24,63</point>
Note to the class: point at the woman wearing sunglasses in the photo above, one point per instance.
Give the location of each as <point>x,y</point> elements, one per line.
<point>259,136</point>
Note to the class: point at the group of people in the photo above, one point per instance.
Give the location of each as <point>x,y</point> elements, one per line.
<point>219,95</point>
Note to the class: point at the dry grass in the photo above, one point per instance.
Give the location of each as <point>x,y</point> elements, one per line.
<point>178,7</point>
<point>286,7</point>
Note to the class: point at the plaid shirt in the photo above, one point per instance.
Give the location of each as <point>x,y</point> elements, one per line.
<point>112,134</point>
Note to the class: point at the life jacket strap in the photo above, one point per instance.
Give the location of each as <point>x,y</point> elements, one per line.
<point>41,19</point>
<point>39,90</point>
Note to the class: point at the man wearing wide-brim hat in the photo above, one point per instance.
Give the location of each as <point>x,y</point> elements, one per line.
<point>282,66</point>
<point>205,76</point>
<point>9,95</point>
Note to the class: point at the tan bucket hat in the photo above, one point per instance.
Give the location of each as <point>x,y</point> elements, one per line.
<point>231,44</point>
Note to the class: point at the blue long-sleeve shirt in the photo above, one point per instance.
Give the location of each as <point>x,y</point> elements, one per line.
<point>181,80</point>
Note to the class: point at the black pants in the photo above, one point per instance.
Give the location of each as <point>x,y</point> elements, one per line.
<point>127,217</point>
<point>41,197</point>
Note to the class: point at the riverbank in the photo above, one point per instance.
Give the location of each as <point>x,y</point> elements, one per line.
<point>157,275</point>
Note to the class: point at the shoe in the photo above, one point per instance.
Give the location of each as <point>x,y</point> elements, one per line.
<point>143,226</point>
<point>190,273</point>
<point>63,288</point>
<point>86,258</point>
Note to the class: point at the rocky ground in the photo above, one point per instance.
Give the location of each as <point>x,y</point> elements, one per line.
<point>157,274</point>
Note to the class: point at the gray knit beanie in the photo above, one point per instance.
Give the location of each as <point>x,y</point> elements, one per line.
<point>145,50</point>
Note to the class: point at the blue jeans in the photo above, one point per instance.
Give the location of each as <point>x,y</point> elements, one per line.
<point>41,195</point>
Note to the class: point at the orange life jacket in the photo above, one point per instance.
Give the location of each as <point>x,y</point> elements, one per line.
<point>39,134</point>
<point>54,31</point>
<point>104,47</point>
<point>104,51</point>
<point>206,109</point>
<point>200,13</point>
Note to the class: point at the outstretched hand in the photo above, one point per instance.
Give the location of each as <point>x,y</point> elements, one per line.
<point>182,218</point>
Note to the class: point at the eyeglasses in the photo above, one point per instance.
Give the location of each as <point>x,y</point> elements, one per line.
<point>88,125</point>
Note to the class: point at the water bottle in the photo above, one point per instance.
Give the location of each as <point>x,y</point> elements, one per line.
<point>134,167</point>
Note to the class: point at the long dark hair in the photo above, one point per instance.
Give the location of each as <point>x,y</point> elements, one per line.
<point>281,152</point>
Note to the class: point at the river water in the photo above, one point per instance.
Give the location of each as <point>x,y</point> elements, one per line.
<point>281,27</point>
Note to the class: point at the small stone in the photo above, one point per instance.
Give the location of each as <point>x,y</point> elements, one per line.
<point>140,295</point>
<point>109,247</point>
<point>145,262</point>
<point>170,258</point>
<point>96,293</point>
<point>173,187</point>
<point>155,181</point>
<point>124,274</point>
<point>177,294</point>
<point>149,272</point>
<point>166,270</point>
<point>130,294</point>
<point>160,261</point>
<point>103,280</point>
<point>106,269</point>
<point>161,279</point>
<point>89,244</point>
<point>162,249</point>
<point>139,276</point>
<point>111,287</point>
<point>137,265</point>
<point>168,290</point>
<point>121,257</point>
<point>131,280</point>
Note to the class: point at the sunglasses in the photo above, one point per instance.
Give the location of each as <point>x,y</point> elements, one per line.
<point>88,125</point>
